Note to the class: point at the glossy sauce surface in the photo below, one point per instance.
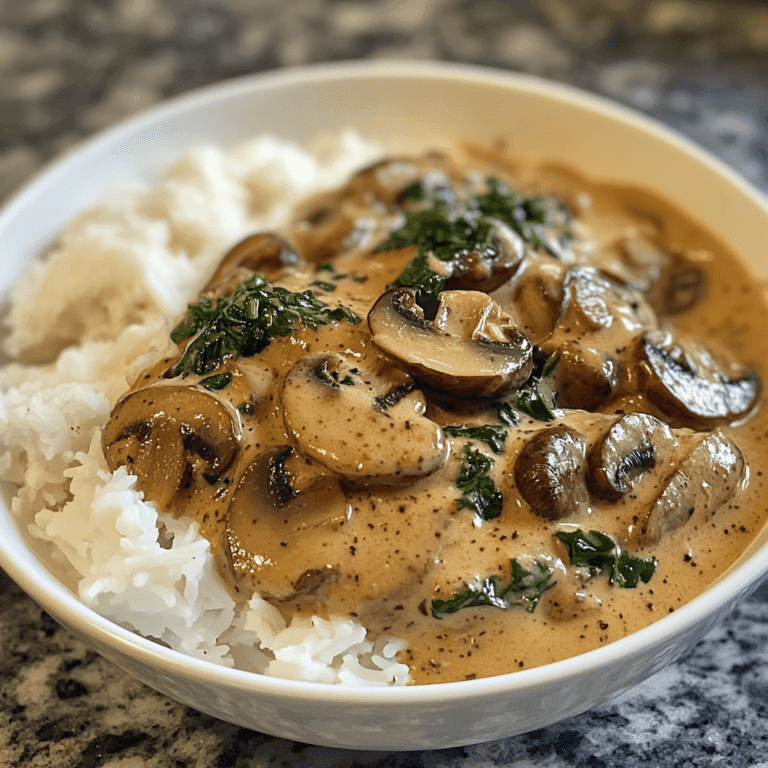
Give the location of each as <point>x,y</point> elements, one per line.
<point>370,527</point>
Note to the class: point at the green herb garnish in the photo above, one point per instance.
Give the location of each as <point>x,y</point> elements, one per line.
<point>217,381</point>
<point>448,229</point>
<point>492,436</point>
<point>479,492</point>
<point>531,400</point>
<point>242,323</point>
<point>506,414</point>
<point>524,588</point>
<point>526,214</point>
<point>211,479</point>
<point>599,552</point>
<point>323,286</point>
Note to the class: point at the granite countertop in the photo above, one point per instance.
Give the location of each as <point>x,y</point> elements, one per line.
<point>69,68</point>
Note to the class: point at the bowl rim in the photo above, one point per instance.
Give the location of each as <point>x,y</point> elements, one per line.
<point>54,597</point>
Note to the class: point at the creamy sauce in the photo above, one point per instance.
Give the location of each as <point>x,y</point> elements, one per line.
<point>370,527</point>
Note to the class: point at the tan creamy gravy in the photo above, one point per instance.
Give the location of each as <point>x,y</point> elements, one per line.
<point>380,554</point>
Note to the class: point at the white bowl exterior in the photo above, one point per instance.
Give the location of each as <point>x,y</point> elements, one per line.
<point>400,104</point>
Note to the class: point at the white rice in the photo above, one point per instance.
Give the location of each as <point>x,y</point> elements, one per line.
<point>90,315</point>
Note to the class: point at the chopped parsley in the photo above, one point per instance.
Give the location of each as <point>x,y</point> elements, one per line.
<point>449,228</point>
<point>242,323</point>
<point>531,400</point>
<point>524,588</point>
<point>478,491</point>
<point>599,552</point>
<point>323,286</point>
<point>506,414</point>
<point>491,435</point>
<point>527,215</point>
<point>217,381</point>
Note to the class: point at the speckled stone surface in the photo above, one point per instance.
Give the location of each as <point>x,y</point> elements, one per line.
<point>69,68</point>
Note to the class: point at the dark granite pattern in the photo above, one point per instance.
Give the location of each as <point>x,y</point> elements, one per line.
<point>69,68</point>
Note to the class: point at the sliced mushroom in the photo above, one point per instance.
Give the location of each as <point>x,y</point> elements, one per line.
<point>488,269</point>
<point>672,282</point>
<point>162,432</point>
<point>322,224</point>
<point>598,324</point>
<point>386,180</point>
<point>283,525</point>
<point>592,302</point>
<point>534,295</point>
<point>550,472</point>
<point>471,347</point>
<point>701,484</point>
<point>682,286</point>
<point>359,214</point>
<point>634,444</point>
<point>689,383</point>
<point>257,253</point>
<point>369,428</point>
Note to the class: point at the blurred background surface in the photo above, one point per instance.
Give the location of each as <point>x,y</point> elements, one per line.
<point>70,68</point>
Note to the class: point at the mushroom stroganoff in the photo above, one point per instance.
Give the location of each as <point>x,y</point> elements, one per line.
<point>503,412</point>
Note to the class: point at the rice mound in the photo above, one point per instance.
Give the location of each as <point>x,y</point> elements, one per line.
<point>90,314</point>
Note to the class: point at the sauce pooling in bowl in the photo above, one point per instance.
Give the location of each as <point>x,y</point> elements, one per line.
<point>504,413</point>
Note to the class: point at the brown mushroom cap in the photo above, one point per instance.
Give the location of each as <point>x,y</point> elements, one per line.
<point>550,472</point>
<point>159,433</point>
<point>593,303</point>
<point>369,428</point>
<point>672,282</point>
<point>386,180</point>
<point>471,347</point>
<point>689,383</point>
<point>634,444</point>
<point>702,483</point>
<point>488,270</point>
<point>534,295</point>
<point>283,525</point>
<point>332,222</point>
<point>256,253</point>
<point>599,321</point>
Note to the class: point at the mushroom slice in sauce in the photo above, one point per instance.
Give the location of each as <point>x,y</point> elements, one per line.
<point>283,525</point>
<point>261,252</point>
<point>385,181</point>
<point>471,347</point>
<point>593,303</point>
<point>159,432</point>
<point>690,384</point>
<point>673,283</point>
<point>550,472</point>
<point>355,215</point>
<point>534,295</point>
<point>702,482</point>
<point>369,428</point>
<point>599,321</point>
<point>489,269</point>
<point>634,444</point>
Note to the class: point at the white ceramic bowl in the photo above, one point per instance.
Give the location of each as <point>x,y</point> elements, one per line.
<point>416,103</point>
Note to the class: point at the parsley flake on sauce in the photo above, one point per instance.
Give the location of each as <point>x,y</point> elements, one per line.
<point>599,552</point>
<point>493,436</point>
<point>524,588</point>
<point>478,491</point>
<point>450,228</point>
<point>242,323</point>
<point>531,399</point>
